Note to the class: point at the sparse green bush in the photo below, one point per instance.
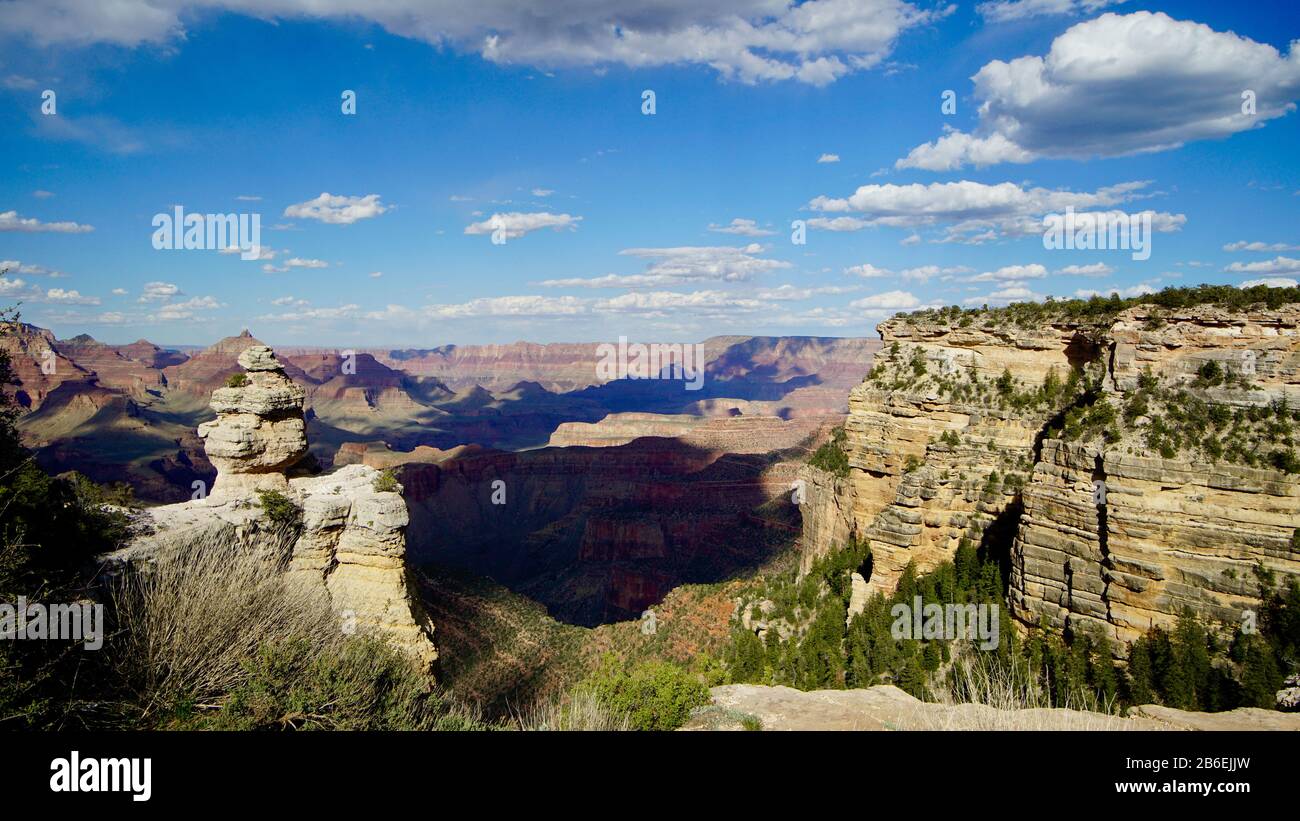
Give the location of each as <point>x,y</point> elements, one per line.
<point>1209,374</point>
<point>386,482</point>
<point>1005,383</point>
<point>917,363</point>
<point>280,509</point>
<point>832,456</point>
<point>654,695</point>
<point>1285,460</point>
<point>237,380</point>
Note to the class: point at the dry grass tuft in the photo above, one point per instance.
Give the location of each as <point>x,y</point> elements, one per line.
<point>986,694</point>
<point>196,613</point>
<point>580,710</point>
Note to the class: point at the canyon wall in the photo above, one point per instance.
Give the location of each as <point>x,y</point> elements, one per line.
<point>1122,477</point>
<point>1164,533</point>
<point>828,508</point>
<point>924,435</point>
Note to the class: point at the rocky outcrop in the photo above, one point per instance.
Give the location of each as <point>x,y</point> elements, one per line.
<point>960,432</point>
<point>1118,535</point>
<point>885,707</point>
<point>828,506</point>
<point>926,433</point>
<point>352,538</point>
<point>259,432</point>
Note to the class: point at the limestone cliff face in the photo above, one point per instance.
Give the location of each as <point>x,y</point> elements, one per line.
<point>827,508</point>
<point>927,431</point>
<point>1171,534</point>
<point>352,540</point>
<point>1172,531</point>
<point>971,428</point>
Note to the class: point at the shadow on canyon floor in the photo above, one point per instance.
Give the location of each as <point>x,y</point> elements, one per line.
<point>599,534</point>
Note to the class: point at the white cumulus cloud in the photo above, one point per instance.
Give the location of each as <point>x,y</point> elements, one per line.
<point>10,221</point>
<point>751,41</point>
<point>516,224</point>
<point>1119,85</point>
<point>336,209</point>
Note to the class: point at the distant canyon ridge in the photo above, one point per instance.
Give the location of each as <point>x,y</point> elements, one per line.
<point>129,412</point>
<point>618,490</point>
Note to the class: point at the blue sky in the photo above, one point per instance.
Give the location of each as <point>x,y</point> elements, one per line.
<point>623,223</point>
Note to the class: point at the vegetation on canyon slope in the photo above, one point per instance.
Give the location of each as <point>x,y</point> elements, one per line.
<point>832,456</point>
<point>810,643</point>
<point>1209,418</point>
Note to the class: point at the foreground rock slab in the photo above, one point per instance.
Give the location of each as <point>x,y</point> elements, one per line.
<point>886,707</point>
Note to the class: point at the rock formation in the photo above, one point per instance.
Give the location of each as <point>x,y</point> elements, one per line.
<point>259,432</point>
<point>131,369</point>
<point>1119,535</point>
<point>828,509</point>
<point>352,539</point>
<point>1063,440</point>
<point>39,367</point>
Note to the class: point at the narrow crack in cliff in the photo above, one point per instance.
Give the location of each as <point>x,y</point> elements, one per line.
<point>1103,531</point>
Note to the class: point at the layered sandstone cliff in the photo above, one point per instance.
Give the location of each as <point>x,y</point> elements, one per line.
<point>351,540</point>
<point>39,367</point>
<point>1117,533</point>
<point>1136,464</point>
<point>936,450</point>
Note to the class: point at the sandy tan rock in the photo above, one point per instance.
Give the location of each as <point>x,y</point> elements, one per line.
<point>885,707</point>
<point>1173,533</point>
<point>352,540</point>
<point>881,708</point>
<point>828,511</point>
<point>1243,718</point>
<point>259,431</point>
